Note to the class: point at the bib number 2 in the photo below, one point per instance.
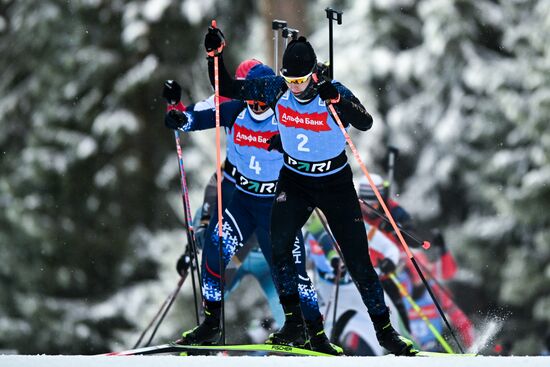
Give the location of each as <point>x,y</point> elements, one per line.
<point>303,141</point>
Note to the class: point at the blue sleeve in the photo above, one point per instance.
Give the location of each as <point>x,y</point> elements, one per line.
<point>206,119</point>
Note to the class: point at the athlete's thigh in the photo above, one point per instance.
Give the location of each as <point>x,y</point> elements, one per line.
<point>341,208</point>
<point>261,212</point>
<point>237,226</point>
<point>290,211</point>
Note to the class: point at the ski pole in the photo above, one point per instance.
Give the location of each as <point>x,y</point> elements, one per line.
<point>188,264</point>
<point>440,286</point>
<point>191,249</point>
<point>170,303</point>
<point>338,273</point>
<point>189,225</point>
<point>420,313</point>
<point>390,217</point>
<point>276,25</point>
<point>449,304</point>
<point>162,306</point>
<point>191,244</point>
<point>330,15</point>
<point>219,187</point>
<point>337,16</point>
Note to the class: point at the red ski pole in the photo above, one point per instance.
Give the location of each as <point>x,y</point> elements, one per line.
<point>219,183</point>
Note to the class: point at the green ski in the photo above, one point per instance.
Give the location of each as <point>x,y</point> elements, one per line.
<point>272,348</point>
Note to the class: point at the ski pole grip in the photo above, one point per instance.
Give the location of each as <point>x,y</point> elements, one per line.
<point>334,15</point>
<point>278,24</point>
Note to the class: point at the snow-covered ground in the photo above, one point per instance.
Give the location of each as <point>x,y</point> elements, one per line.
<point>172,361</point>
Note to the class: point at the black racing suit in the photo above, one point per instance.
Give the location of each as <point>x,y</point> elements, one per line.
<point>298,195</point>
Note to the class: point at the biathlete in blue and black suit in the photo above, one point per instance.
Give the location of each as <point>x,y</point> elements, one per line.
<point>315,174</point>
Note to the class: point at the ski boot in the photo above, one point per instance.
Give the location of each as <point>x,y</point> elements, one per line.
<point>389,338</point>
<point>293,331</point>
<point>318,340</point>
<point>208,332</point>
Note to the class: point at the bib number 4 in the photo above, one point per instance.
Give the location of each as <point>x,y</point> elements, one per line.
<point>255,165</point>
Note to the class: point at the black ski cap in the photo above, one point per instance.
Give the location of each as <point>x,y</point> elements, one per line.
<point>299,58</point>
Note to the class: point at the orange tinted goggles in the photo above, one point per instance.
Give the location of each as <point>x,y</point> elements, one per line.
<point>296,80</point>
<point>256,103</point>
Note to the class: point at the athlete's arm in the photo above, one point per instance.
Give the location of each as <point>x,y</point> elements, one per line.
<point>350,110</point>
<point>206,119</point>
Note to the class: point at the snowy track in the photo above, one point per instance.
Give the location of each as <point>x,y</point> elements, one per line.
<point>171,361</point>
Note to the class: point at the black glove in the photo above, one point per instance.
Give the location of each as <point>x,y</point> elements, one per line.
<point>175,119</point>
<point>275,143</point>
<point>200,235</point>
<point>171,92</point>
<point>338,266</point>
<point>214,41</point>
<point>327,90</point>
<point>386,266</point>
<point>182,266</point>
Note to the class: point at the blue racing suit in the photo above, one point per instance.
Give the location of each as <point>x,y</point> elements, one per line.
<point>249,210</point>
